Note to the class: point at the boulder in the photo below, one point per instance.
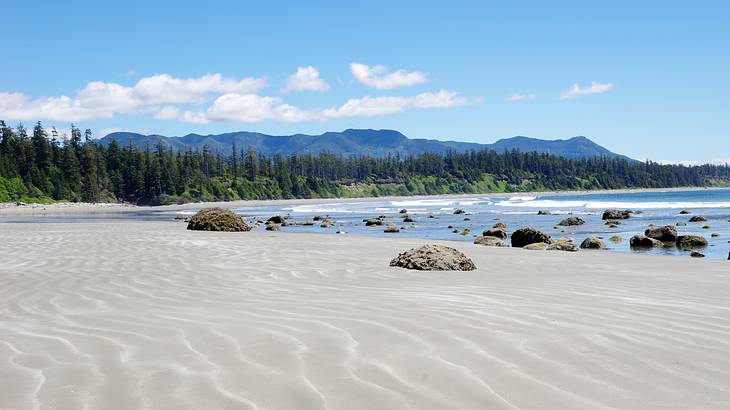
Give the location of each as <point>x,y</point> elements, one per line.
<point>612,222</point>
<point>319,218</point>
<point>571,221</point>
<point>526,236</point>
<point>691,241</point>
<point>684,212</point>
<point>706,227</point>
<point>458,212</point>
<point>681,224</point>
<point>489,241</point>
<point>665,233</point>
<point>563,244</point>
<point>403,211</point>
<point>497,233</point>
<point>217,219</point>
<point>433,258</point>
<point>544,212</point>
<point>374,222</point>
<point>616,214</point>
<point>715,235</point>
<point>277,219</point>
<point>391,229</point>
<point>592,243</point>
<point>615,239</point>
<point>537,246</point>
<point>327,224</point>
<point>697,218</point>
<point>641,241</point>
<point>273,227</point>
<point>408,219</point>
<point>499,225</point>
<point>696,255</point>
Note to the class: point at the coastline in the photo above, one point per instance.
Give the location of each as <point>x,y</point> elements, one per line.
<point>131,314</point>
<point>61,208</point>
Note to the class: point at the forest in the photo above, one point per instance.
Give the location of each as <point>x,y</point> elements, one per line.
<point>40,166</point>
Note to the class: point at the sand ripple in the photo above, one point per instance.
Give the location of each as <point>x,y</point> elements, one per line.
<point>147,315</point>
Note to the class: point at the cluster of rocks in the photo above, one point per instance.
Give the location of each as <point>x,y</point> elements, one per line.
<point>615,214</point>
<point>571,221</point>
<point>433,258</point>
<point>658,236</point>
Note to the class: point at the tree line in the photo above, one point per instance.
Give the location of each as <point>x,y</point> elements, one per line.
<point>42,166</point>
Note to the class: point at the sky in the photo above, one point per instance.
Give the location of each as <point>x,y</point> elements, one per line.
<point>648,79</point>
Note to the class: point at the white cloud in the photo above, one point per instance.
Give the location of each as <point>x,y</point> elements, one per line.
<point>576,90</point>
<point>378,76</point>
<point>522,97</point>
<point>375,106</point>
<point>305,79</point>
<point>163,88</point>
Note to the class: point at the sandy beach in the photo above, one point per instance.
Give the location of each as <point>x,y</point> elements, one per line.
<point>120,315</point>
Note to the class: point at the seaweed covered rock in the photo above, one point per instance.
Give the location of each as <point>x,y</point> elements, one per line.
<point>217,219</point>
<point>616,214</point>
<point>499,225</point>
<point>526,236</point>
<point>374,222</point>
<point>593,243</point>
<point>571,221</point>
<point>563,244</point>
<point>489,241</point>
<point>433,257</point>
<point>665,233</point>
<point>641,241</point>
<point>697,218</point>
<point>391,229</point>
<point>691,241</point>
<point>498,233</point>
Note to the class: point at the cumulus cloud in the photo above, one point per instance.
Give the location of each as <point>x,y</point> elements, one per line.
<point>375,106</point>
<point>577,91</point>
<point>100,100</point>
<point>379,77</point>
<point>305,79</point>
<point>522,97</point>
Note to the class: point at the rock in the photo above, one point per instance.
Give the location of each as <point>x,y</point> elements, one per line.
<point>431,217</point>
<point>391,229</point>
<point>592,243</point>
<point>319,218</point>
<point>526,236</point>
<point>571,221</point>
<point>691,241</point>
<point>217,219</point>
<point>489,241</point>
<point>613,226</point>
<point>544,212</point>
<point>327,224</point>
<point>465,232</point>
<point>179,217</point>
<point>715,235</point>
<point>20,203</point>
<point>563,244</point>
<point>697,218</point>
<point>696,255</point>
<point>408,219</point>
<point>497,233</point>
<point>433,258</point>
<point>706,227</point>
<point>277,219</point>
<point>537,246</point>
<point>612,222</point>
<point>467,219</point>
<point>499,225</point>
<point>373,222</point>
<point>684,212</point>
<point>641,241</point>
<point>681,224</point>
<point>455,230</point>
<point>450,227</point>
<point>662,233</point>
<point>340,232</point>
<point>273,227</point>
<point>615,239</point>
<point>616,214</point>
<point>458,212</point>
<point>403,211</point>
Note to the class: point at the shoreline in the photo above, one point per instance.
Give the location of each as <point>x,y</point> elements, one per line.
<point>60,208</point>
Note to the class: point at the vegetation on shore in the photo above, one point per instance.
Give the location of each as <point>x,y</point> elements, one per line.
<point>45,168</point>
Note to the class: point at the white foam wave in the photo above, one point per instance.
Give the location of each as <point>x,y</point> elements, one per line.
<point>549,203</point>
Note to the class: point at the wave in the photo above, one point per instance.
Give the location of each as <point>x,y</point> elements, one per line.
<point>549,203</point>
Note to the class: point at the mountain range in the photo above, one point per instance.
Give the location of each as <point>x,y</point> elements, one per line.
<point>358,142</point>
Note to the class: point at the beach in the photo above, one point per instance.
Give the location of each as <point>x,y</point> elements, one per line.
<point>145,314</point>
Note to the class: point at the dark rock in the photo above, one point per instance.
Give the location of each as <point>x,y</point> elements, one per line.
<point>684,212</point>
<point>616,214</point>
<point>431,217</point>
<point>592,243</point>
<point>697,218</point>
<point>715,235</point>
<point>497,233</point>
<point>278,219</point>
<point>706,227</point>
<point>641,241</point>
<point>544,212</point>
<point>489,241</point>
<point>408,219</point>
<point>467,219</point>
<point>318,218</point>
<point>526,236</point>
<point>696,255</point>
<point>571,221</point>
<point>458,212</point>
<point>691,241</point>
<point>499,225</point>
<point>217,219</point>
<point>403,211</point>
<point>373,222</point>
<point>681,224</point>
<point>662,233</point>
<point>433,258</point>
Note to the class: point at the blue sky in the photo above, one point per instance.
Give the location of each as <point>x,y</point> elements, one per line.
<point>649,79</point>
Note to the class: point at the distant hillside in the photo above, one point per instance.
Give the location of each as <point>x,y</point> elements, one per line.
<point>359,142</point>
